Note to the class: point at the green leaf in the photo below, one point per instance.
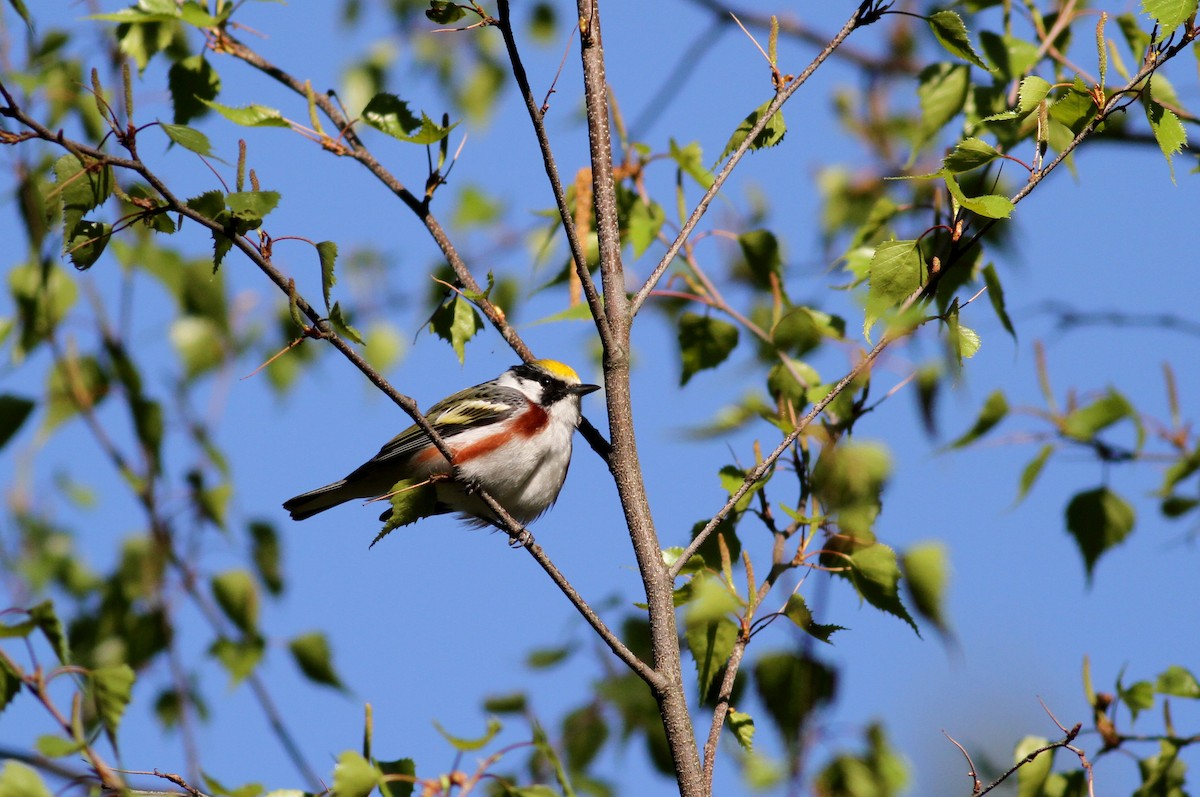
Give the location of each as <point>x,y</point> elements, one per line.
<point>249,207</point>
<point>265,551</point>
<point>584,732</point>
<point>926,571</point>
<point>404,767</point>
<point>1075,108</point>
<point>444,12</point>
<point>210,204</point>
<point>45,618</point>
<point>763,259</point>
<point>456,322</point>
<point>82,187</point>
<point>218,789</point>
<point>798,612</point>
<point>1032,91</point>
<point>1138,697</point>
<point>1085,422</point>
<point>464,745</point>
<point>10,679</point>
<point>189,138</point>
<point>14,410</point>
<point>410,500</point>
<point>1168,130</point>
<point>198,342</point>
<point>732,479</point>
<point>644,222</point>
<point>941,93</point>
<point>742,725</point>
<point>849,479</point>
<point>354,776</point>
<point>343,327</point>
<point>992,206</point>
<point>20,780</point>
<point>237,595</point>
<point>545,658</point>
<point>994,410</point>
<point>704,342</point>
<point>710,643</point>
<point>951,33</point>
<point>1177,681</point>
<point>896,272</point>
<point>22,12</point>
<point>192,81</point>
<point>1169,14</point>
<point>1031,777</point>
<point>876,576</point>
<point>249,116</point>
<point>1032,470</point>
<point>791,686</point>
<point>968,154</point>
<point>87,242</point>
<point>390,114</point>
<point>769,136</point>
<point>56,747</point>
<point>112,687</point>
<point>312,655</point>
<point>239,658</point>
<point>690,159</point>
<point>1098,519</point>
<point>995,292</point>
<point>327,251</point>
<point>74,381</point>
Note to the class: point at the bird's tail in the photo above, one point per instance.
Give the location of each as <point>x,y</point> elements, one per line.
<point>308,504</point>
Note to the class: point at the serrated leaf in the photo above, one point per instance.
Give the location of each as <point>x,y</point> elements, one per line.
<point>87,242</point>
<point>742,725</point>
<point>464,745</point>
<point>456,322</point>
<point>1099,520</point>
<point>992,206</point>
<point>876,575</point>
<point>950,31</point>
<point>710,643</point>
<point>1168,131</point>
<point>410,500</point>
<point>390,114</point>
<point>798,612</point>
<point>112,687</point>
<point>968,154</point>
<point>237,595</point>
<point>704,342</point>
<point>895,273</point>
<point>327,251</point>
<point>1032,91</point>
<point>941,93</point>
<point>191,81</point>
<point>401,786</point>
<point>994,410</point>
<point>250,115</point>
<point>771,134</point>
<point>189,138</point>
<point>354,776</point>
<point>14,410</point>
<point>690,159</point>
<point>81,187</point>
<point>1169,14</point>
<point>210,204</point>
<point>995,292</point>
<point>314,658</point>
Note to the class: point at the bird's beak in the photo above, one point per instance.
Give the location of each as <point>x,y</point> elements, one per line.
<point>583,390</point>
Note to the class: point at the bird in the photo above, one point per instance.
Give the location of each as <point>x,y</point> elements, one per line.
<point>510,436</point>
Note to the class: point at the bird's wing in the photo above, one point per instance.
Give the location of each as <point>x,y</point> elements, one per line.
<point>453,415</point>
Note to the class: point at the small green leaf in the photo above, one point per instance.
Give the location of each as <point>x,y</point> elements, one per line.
<point>1085,422</point>
<point>704,342</point>
<point>249,116</point>
<point>1098,519</point>
<point>798,612</point>
<point>771,134</point>
<point>342,326</point>
<point>710,643</point>
<point>896,272</point>
<point>456,322</point>
<point>690,159</point>
<point>742,725</point>
<point>763,259</point>
<point>239,658</point>
<point>10,679</point>
<point>327,251</point>
<point>1032,91</point>
<point>1137,698</point>
<point>312,655</point>
<point>14,410</point>
<point>994,410</point>
<point>951,33</point>
<point>1030,473</point>
<point>112,687</point>
<point>237,596</point>
<point>210,204</point>
<point>444,12</point>
<point>198,342</point>
<point>464,745</point>
<point>390,114</point>
<point>82,187</point>
<point>992,206</point>
<point>1031,777</point>
<point>401,786</point>
<point>56,746</point>
<point>584,732</point>
<point>45,618</point>
<point>644,222</point>
<point>941,93</point>
<point>189,138</point>
<point>74,381</point>
<point>20,780</point>
<point>354,776</point>
<point>1177,681</point>
<point>191,81</point>
<point>217,789</point>
<point>926,571</point>
<point>265,550</point>
<point>409,501</point>
<point>250,207</point>
<point>1168,131</point>
<point>876,576</point>
<point>87,242</point>
<point>545,658</point>
<point>968,154</point>
<point>791,686</point>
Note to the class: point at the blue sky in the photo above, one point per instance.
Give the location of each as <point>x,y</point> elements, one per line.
<point>435,617</point>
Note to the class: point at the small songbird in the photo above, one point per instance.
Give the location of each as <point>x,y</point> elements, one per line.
<point>510,436</point>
